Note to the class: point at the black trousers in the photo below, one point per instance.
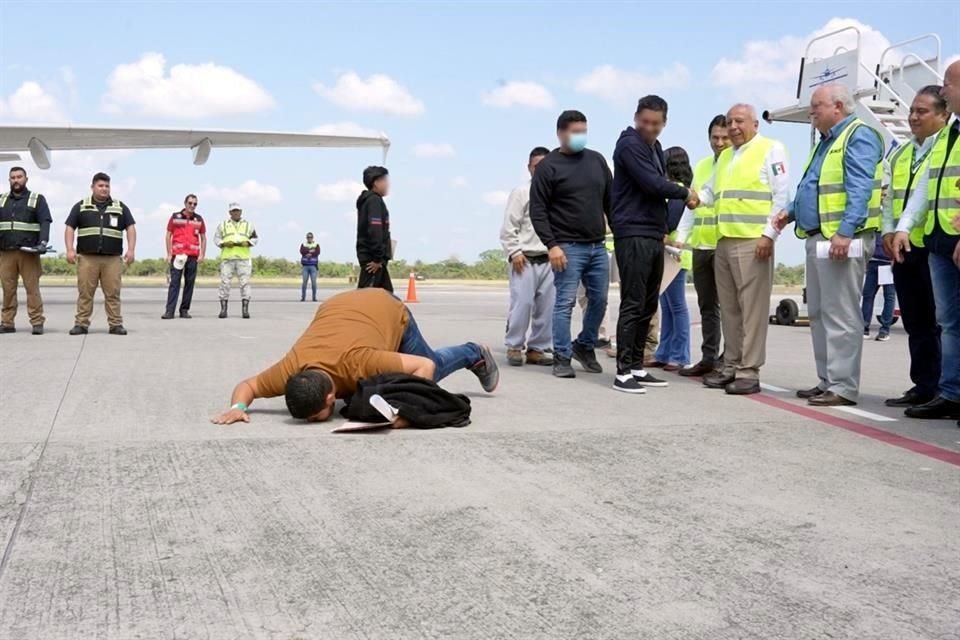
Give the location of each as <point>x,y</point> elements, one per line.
<point>705,282</point>
<point>189,273</point>
<point>640,261</point>
<point>378,280</point>
<point>918,310</point>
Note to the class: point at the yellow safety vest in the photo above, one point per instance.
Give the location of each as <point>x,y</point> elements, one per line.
<point>608,242</point>
<point>943,190</point>
<point>235,232</point>
<point>743,201</point>
<point>832,200</point>
<point>901,182</point>
<point>704,233</point>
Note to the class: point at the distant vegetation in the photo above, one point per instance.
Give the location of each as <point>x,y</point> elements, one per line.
<point>492,265</point>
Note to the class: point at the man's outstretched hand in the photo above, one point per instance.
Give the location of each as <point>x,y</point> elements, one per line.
<point>231,416</point>
<point>693,199</point>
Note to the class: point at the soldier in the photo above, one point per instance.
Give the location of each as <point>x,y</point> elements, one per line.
<point>235,237</point>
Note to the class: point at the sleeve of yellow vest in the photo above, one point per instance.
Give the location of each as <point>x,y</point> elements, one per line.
<point>778,178</point>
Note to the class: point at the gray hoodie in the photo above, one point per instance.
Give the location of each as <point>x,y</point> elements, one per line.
<point>517,234</point>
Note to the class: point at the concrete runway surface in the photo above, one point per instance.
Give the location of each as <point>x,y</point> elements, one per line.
<point>566,510</point>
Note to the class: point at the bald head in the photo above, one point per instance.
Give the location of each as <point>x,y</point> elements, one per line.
<point>742,124</point>
<point>951,87</point>
<point>830,104</point>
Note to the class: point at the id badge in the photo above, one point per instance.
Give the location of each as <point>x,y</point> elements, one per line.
<point>114,221</point>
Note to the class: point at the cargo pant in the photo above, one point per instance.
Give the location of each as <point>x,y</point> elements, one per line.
<point>242,268</point>
<point>15,265</point>
<point>107,272</point>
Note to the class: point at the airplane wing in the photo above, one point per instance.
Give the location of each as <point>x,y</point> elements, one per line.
<point>40,141</point>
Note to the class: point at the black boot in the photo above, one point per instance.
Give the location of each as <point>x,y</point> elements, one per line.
<point>223,309</point>
<point>246,308</point>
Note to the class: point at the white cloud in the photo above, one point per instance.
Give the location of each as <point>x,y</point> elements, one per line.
<point>378,92</point>
<point>496,198</point>
<point>248,194</point>
<point>30,102</point>
<point>344,129</point>
<point>620,85</point>
<point>524,94</point>
<point>342,191</point>
<point>428,150</point>
<point>766,70</point>
<point>459,182</point>
<point>291,226</point>
<point>160,213</point>
<point>187,91</point>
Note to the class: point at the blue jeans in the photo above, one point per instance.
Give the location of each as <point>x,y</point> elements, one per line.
<point>446,359</point>
<point>675,323</point>
<point>189,275</point>
<point>870,287</point>
<point>309,273</point>
<point>587,262</point>
<point>946,291</point>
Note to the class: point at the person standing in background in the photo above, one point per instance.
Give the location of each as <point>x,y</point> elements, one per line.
<point>186,243</point>
<point>309,258</point>
<point>871,284</point>
<point>235,237</point>
<point>374,246</point>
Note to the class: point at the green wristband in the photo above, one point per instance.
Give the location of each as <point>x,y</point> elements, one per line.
<point>240,406</point>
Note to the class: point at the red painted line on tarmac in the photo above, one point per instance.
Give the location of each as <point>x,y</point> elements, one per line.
<point>916,446</point>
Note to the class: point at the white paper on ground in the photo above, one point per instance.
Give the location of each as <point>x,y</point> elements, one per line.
<point>854,251</point>
<point>885,274</point>
<point>360,426</point>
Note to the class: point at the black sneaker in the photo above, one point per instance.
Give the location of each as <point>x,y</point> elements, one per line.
<point>167,316</point>
<point>38,329</point>
<point>562,368</point>
<point>6,328</point>
<point>78,330</point>
<point>586,357</point>
<point>487,370</point>
<point>118,330</point>
<point>628,384</point>
<point>185,315</point>
<point>646,380</point>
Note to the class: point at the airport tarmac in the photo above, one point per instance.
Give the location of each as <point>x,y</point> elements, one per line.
<point>566,510</point>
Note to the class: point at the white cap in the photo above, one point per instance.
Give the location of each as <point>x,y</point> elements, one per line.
<point>234,206</point>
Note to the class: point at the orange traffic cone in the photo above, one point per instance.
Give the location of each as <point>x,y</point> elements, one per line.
<point>411,289</point>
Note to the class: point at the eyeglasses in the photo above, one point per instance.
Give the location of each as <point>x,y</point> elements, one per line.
<point>191,204</point>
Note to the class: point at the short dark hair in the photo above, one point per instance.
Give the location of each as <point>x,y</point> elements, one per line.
<point>100,176</point>
<point>191,195</point>
<point>306,393</point>
<point>678,166</point>
<point>719,120</point>
<point>652,103</point>
<point>568,117</point>
<point>20,169</point>
<point>539,152</point>
<point>372,174</point>
<point>933,90</point>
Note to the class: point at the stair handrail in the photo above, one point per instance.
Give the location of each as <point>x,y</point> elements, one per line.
<point>833,33</point>
<point>897,45</point>
<point>923,64</point>
<point>881,85</point>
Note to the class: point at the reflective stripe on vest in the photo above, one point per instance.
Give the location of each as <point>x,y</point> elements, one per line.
<point>943,189</point>
<point>704,233</point>
<point>901,181</point>
<point>832,200</point>
<point>96,231</point>
<point>23,227</point>
<point>743,201</point>
<point>235,232</point>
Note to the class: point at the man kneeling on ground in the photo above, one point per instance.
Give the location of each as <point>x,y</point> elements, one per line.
<point>353,336</point>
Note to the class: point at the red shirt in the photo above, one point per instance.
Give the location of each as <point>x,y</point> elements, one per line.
<point>186,231</point>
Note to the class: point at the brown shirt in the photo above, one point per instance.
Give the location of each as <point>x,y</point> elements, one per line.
<point>354,335</point>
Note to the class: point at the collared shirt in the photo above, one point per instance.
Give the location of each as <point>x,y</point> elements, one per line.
<point>185,232</point>
<point>773,174</point>
<point>864,151</point>
<point>517,234</point>
<point>917,202</point>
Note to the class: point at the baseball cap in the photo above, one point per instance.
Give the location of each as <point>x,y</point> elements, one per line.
<point>234,206</point>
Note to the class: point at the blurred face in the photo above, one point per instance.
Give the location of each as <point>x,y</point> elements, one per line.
<point>382,185</point>
<point>532,165</point>
<point>573,129</point>
<point>741,125</point>
<point>309,237</point>
<point>650,124</point>
<point>18,181</point>
<point>719,139</point>
<point>190,205</point>
<point>235,214</point>
<point>951,87</point>
<point>101,190</point>
<point>824,112</point>
<point>325,413</point>
<point>925,120</point>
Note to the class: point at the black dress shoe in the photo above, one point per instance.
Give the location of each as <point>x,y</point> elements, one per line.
<point>806,394</point>
<point>909,399</point>
<point>743,387</point>
<point>118,330</point>
<point>697,370</point>
<point>717,380</point>
<point>78,330</point>
<point>937,409</point>
<point>167,316</point>
<point>6,328</point>
<point>829,399</point>
<point>38,329</point>
<point>185,315</point>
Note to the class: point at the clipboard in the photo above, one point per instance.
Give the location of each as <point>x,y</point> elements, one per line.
<point>671,267</point>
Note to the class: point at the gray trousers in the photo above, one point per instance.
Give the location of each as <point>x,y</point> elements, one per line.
<point>532,297</point>
<point>836,320</point>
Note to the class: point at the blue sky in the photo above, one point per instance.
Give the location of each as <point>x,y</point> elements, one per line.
<point>463,91</point>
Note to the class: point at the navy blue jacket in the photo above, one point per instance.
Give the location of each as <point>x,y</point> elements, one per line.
<point>638,199</point>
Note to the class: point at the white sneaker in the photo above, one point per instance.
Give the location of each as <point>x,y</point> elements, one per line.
<point>628,384</point>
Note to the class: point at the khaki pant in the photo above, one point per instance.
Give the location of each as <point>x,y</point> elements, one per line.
<point>235,267</point>
<point>744,285</point>
<point>107,272</point>
<point>16,265</point>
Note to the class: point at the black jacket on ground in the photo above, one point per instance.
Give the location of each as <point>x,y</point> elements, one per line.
<point>373,229</point>
<point>423,402</point>
<point>641,188</point>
